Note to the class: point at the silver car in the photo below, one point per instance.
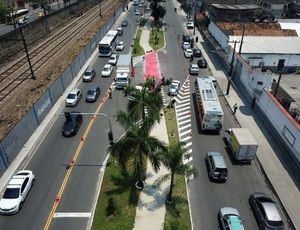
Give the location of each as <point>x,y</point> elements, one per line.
<point>89,75</point>
<point>230,219</point>
<point>73,97</point>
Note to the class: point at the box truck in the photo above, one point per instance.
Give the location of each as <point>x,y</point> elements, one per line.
<point>123,71</point>
<point>242,144</point>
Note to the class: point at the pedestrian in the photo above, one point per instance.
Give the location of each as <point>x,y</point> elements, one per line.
<point>163,80</point>
<point>109,93</point>
<point>235,107</point>
<point>192,58</point>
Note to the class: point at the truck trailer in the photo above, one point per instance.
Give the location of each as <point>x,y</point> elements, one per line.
<point>242,144</point>
<point>123,71</point>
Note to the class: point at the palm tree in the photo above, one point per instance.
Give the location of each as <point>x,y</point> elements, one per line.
<point>145,99</point>
<point>172,160</point>
<point>137,145</point>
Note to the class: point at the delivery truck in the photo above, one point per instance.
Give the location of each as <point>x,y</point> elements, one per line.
<point>242,144</point>
<point>123,71</point>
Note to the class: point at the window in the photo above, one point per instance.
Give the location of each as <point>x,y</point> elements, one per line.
<point>24,184</point>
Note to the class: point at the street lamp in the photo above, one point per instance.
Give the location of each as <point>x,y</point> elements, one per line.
<point>26,51</point>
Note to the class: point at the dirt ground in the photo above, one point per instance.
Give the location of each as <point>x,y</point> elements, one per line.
<point>16,105</point>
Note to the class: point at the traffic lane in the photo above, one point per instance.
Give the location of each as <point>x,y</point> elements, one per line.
<point>206,197</point>
<point>49,165</point>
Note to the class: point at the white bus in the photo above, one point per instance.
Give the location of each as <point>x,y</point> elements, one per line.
<point>18,16</point>
<point>108,44</point>
<point>211,116</point>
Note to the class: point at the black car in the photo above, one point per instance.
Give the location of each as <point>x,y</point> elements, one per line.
<point>124,23</point>
<point>92,94</point>
<point>197,52</point>
<point>187,38</point>
<point>202,63</point>
<point>72,123</point>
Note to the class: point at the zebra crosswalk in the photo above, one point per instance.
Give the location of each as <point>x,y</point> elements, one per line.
<point>136,60</point>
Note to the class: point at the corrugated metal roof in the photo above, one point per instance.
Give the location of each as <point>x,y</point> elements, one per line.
<point>236,7</point>
<point>267,45</point>
<point>290,25</point>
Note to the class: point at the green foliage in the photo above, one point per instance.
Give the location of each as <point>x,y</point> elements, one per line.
<point>143,21</point>
<point>3,11</point>
<point>111,207</point>
<point>158,11</point>
<point>137,49</point>
<point>160,40</point>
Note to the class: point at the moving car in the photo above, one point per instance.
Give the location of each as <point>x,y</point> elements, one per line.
<point>113,59</point>
<point>185,45</point>
<point>202,63</point>
<point>174,88</point>
<point>197,52</point>
<point>216,166</point>
<point>194,69</point>
<point>16,192</point>
<point>73,97</point>
<point>124,23</point>
<point>107,70</point>
<point>89,75</point>
<point>72,123</point>
<point>92,94</point>
<point>120,31</point>
<point>120,46</point>
<point>187,38</point>
<point>188,53</point>
<point>230,219</point>
<point>137,12</point>
<point>265,211</point>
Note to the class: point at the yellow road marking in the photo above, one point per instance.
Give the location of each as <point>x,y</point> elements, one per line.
<point>66,179</point>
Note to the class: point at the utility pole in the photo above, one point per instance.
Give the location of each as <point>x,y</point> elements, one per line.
<point>26,51</point>
<point>242,39</point>
<point>100,10</point>
<point>231,69</point>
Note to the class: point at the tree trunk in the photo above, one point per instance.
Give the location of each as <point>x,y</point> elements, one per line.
<point>169,197</point>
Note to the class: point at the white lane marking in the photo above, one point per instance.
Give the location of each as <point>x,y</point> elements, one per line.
<point>72,214</point>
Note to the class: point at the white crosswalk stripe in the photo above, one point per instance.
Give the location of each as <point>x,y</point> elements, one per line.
<point>137,60</point>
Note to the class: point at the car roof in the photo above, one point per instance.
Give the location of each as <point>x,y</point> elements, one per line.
<point>107,65</point>
<point>74,91</point>
<point>194,65</point>
<point>188,50</point>
<point>94,87</point>
<point>271,211</point>
<point>218,158</point>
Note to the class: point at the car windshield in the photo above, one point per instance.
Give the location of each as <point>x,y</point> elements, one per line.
<point>106,69</point>
<point>112,58</point>
<point>277,223</point>
<point>71,96</point>
<point>91,92</point>
<point>221,170</point>
<point>88,73</point>
<point>11,193</point>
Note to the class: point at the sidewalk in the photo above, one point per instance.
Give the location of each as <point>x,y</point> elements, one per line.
<point>150,213</point>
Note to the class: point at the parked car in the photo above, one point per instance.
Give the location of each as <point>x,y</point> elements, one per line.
<point>187,38</point>
<point>113,59</point>
<point>216,166</point>
<point>185,45</point>
<point>73,97</point>
<point>88,75</point>
<point>188,53</point>
<point>137,12</point>
<point>124,23</point>
<point>194,69</point>
<point>174,88</point>
<point>202,63</point>
<point>120,46</point>
<point>197,52</point>
<point>230,219</point>
<point>16,192</point>
<point>107,70</point>
<point>92,94</point>
<point>72,123</point>
<point>265,211</point>
<point>190,25</point>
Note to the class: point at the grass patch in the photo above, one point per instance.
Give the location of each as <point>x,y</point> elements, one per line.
<point>137,50</point>
<point>158,43</point>
<point>116,206</point>
<point>177,213</point>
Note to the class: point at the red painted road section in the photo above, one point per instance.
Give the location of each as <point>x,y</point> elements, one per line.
<point>152,69</point>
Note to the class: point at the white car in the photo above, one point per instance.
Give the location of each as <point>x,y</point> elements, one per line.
<point>137,12</point>
<point>73,97</point>
<point>194,69</point>
<point>120,46</point>
<point>16,192</point>
<point>107,70</point>
<point>185,45</point>
<point>113,59</point>
<point>190,25</point>
<point>188,53</point>
<point>174,88</point>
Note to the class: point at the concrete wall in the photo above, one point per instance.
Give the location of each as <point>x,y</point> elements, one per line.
<point>18,136</point>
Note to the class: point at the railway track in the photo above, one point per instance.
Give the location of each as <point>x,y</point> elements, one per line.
<point>12,77</point>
